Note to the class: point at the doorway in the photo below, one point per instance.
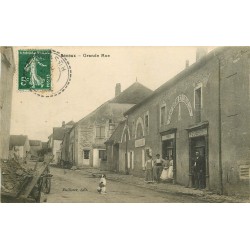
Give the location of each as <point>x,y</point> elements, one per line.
<point>116,157</point>
<point>169,150</point>
<point>199,144</point>
<point>86,156</point>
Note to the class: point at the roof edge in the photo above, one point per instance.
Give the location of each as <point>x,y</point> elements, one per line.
<point>180,76</point>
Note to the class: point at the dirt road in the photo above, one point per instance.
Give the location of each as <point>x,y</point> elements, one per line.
<point>80,186</point>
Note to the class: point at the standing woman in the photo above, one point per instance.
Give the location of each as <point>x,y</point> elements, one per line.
<point>171,168</point>
<point>164,173</point>
<point>149,170</point>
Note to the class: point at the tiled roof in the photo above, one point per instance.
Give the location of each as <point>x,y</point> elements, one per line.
<point>17,140</point>
<point>117,134</point>
<point>133,94</point>
<point>35,142</point>
<point>117,106</point>
<point>58,133</point>
<point>70,123</point>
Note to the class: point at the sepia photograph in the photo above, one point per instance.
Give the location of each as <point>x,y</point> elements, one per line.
<point>125,124</point>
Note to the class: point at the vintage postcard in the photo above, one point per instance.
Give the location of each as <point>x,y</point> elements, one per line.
<point>125,124</point>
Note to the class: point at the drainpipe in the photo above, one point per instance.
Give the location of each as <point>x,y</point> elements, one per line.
<point>126,154</point>
<point>220,127</point>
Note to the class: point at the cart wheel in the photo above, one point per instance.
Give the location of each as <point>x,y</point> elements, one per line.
<point>47,186</point>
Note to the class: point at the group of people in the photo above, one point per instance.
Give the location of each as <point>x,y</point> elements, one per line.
<point>158,169</point>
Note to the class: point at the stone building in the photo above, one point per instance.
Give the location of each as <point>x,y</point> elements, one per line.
<point>7,69</point>
<point>19,146</point>
<point>86,139</point>
<point>65,152</point>
<point>204,108</point>
<point>55,142</point>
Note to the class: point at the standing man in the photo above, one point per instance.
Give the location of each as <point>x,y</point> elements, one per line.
<point>158,167</point>
<point>199,171</point>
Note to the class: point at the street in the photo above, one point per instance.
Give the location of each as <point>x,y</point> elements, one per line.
<point>80,186</point>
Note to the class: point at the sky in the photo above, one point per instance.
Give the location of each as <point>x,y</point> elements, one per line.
<point>93,82</point>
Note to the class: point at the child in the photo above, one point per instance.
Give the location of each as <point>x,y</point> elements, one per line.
<point>102,185</point>
<point>164,174</point>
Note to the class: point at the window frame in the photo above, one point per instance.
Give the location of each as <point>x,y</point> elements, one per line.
<point>99,129</point>
<point>86,150</point>
<point>146,114</point>
<point>164,105</point>
<point>198,87</point>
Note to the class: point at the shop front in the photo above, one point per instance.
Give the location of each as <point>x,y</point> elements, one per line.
<point>198,142</point>
<point>168,139</point>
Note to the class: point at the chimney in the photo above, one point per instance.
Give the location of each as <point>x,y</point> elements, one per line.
<point>187,64</point>
<point>200,53</point>
<point>63,124</point>
<point>117,89</point>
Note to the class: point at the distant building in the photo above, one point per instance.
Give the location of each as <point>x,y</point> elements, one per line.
<point>65,150</point>
<point>87,137</point>
<point>19,145</point>
<point>7,69</point>
<point>35,147</point>
<point>44,145</point>
<point>56,140</point>
<point>115,148</point>
<point>204,108</point>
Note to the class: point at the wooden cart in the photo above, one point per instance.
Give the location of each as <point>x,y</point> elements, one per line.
<point>32,186</point>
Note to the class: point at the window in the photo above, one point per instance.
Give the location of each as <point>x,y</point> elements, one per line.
<point>111,126</point>
<point>139,131</point>
<point>162,115</point>
<point>86,154</point>
<point>103,155</point>
<point>197,102</point>
<point>146,122</point>
<point>133,129</point>
<point>100,132</point>
<point>125,137</point>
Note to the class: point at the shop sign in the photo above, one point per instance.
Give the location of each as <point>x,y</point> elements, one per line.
<point>196,133</point>
<point>167,137</point>
<point>140,143</point>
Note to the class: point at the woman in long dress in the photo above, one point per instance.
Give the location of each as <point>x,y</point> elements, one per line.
<point>164,173</point>
<point>171,168</point>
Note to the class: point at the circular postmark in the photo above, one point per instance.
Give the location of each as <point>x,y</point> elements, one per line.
<point>61,74</point>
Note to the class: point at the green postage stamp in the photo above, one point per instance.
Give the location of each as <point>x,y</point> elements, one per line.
<point>34,69</point>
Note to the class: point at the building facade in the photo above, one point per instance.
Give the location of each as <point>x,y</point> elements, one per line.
<point>65,150</point>
<point>19,147</point>
<point>7,69</point>
<point>87,138</point>
<point>204,108</point>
